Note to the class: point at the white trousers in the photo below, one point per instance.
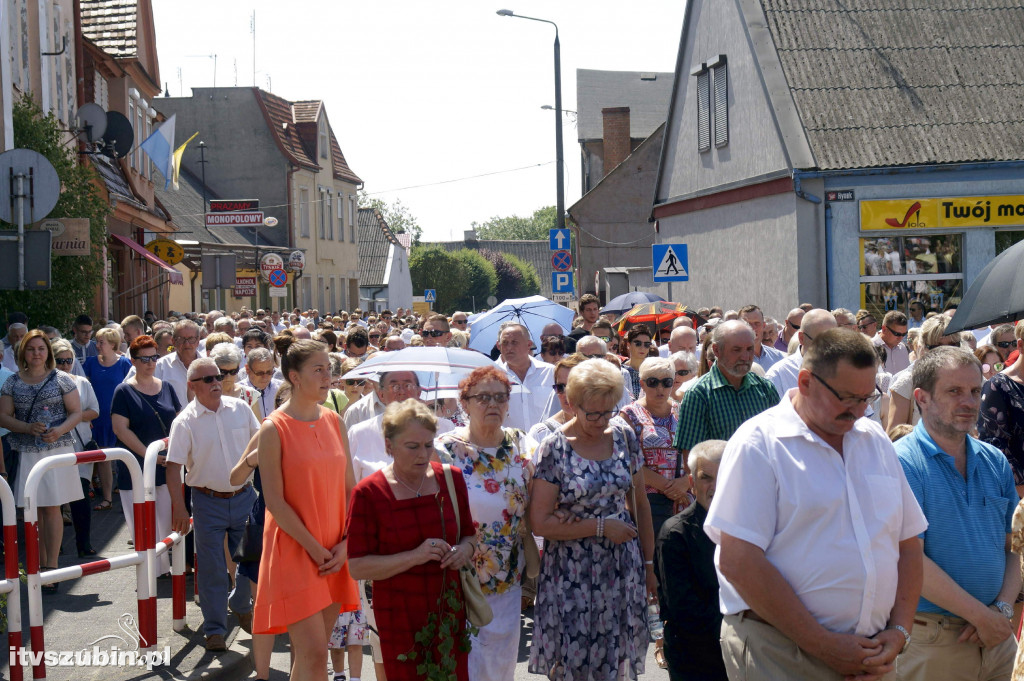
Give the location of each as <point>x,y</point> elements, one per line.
<point>496,647</point>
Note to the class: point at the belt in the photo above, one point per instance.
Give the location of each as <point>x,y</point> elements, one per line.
<point>222,495</point>
<point>943,621</point>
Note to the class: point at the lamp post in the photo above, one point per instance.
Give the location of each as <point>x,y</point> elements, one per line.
<point>560,196</point>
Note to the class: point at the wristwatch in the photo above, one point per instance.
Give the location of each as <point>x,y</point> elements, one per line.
<point>1005,608</point>
<point>906,635</point>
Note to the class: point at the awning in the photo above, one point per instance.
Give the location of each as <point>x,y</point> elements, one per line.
<point>173,275</point>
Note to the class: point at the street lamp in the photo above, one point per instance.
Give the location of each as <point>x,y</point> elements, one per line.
<point>560,201</point>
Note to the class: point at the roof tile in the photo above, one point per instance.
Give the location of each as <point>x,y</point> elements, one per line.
<point>111,25</point>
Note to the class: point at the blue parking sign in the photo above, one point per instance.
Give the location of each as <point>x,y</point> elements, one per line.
<point>561,282</point>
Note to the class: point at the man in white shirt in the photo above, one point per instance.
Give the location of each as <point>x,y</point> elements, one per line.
<point>534,377</point>
<point>818,557</point>
<point>15,332</point>
<point>783,375</point>
<point>208,437</point>
<point>173,368</point>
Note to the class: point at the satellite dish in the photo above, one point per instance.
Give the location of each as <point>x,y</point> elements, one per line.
<point>92,123</point>
<point>44,187</point>
<point>119,136</point>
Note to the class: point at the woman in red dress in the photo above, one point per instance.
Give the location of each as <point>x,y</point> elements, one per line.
<point>402,534</point>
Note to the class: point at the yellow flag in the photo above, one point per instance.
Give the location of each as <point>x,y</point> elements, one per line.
<point>177,160</point>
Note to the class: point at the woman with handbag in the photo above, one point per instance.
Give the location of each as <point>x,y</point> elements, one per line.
<point>496,465</point>
<point>595,576</point>
<point>141,412</point>
<point>40,406</point>
<point>411,531</point>
<point>653,418</point>
<point>105,371</point>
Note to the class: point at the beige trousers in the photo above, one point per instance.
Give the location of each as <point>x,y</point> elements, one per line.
<point>755,651</point>
<point>934,654</point>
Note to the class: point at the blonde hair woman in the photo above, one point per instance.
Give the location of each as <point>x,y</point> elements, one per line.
<point>105,372</point>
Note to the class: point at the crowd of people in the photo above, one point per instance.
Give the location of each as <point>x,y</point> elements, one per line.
<point>828,496</point>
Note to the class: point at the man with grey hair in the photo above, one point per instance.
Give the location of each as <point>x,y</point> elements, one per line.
<point>225,325</point>
<point>729,394</point>
<point>532,377</point>
<point>962,627</point>
<point>15,332</point>
<point>207,438</point>
<point>173,367</point>
<point>684,562</point>
<point>784,374</point>
<point>683,338</point>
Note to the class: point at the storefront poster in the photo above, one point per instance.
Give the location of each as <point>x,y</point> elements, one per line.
<point>943,213</point>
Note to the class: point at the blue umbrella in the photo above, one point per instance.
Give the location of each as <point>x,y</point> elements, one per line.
<point>534,313</point>
<point>627,301</point>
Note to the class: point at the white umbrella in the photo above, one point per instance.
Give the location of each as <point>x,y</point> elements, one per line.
<point>422,360</point>
<point>534,313</point>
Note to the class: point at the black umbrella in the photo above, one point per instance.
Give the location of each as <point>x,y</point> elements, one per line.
<point>627,301</point>
<point>996,296</point>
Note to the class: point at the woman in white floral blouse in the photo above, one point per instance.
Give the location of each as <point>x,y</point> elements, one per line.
<point>496,466</point>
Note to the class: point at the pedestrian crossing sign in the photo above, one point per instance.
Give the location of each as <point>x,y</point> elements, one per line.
<point>430,295</point>
<point>670,262</point>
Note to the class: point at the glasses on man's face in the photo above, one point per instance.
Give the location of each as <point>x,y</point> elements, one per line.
<point>865,325</point>
<point>65,362</point>
<point>895,333</point>
<point>460,322</point>
<point>147,359</point>
<point>642,344</point>
<point>433,333</point>
<point>261,374</point>
<point>683,372</point>
<point>851,401</point>
<point>795,327</point>
<point>408,386</point>
<point>355,382</point>
<point>599,415</point>
<point>374,336</point>
<point>1006,344</point>
<point>558,388</point>
<point>230,372</point>
<point>357,343</point>
<point>209,379</point>
<point>186,340</point>
<point>655,382</point>
<point>487,398</point>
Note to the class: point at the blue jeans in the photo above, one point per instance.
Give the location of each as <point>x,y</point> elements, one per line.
<point>212,519</point>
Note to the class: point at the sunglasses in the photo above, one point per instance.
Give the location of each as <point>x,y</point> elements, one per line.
<point>558,388</point>
<point>655,382</point>
<point>65,362</point>
<point>487,398</point>
<point>642,344</point>
<point>795,327</point>
<point>262,374</point>
<point>1006,344</point>
<point>355,382</point>
<point>209,379</point>
<point>229,372</point>
<point>357,343</point>
<point>374,336</point>
<point>895,333</point>
<point>147,359</point>
<point>460,321</point>
<point>436,333</point>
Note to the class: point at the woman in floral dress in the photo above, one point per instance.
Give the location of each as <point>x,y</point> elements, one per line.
<point>496,466</point>
<point>589,620</point>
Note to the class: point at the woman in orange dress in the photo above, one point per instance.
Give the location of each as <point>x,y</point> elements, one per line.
<point>307,479</point>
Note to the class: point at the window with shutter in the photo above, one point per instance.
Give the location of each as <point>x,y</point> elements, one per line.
<point>703,111</point>
<point>721,73</point>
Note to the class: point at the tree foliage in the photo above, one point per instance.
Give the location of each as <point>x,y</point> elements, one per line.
<point>457,277</point>
<point>516,278</point>
<point>400,220</point>
<point>516,228</point>
<point>478,279</point>
<point>74,279</point>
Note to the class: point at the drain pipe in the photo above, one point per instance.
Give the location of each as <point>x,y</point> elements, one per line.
<point>806,196</point>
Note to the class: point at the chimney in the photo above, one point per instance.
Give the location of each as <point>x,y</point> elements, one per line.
<point>616,136</point>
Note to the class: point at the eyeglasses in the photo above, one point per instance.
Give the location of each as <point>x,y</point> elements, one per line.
<point>407,386</point>
<point>460,321</point>
<point>1006,344</point>
<point>487,398</point>
<point>357,343</point>
<point>261,374</point>
<point>229,372</point>
<point>209,379</point>
<point>849,402</point>
<point>355,382</point>
<point>147,359</point>
<point>655,382</point>
<point>795,327</point>
<point>558,388</point>
<point>683,372</point>
<point>599,415</point>
<point>863,325</point>
<point>186,340</point>
<point>374,336</point>
<point>598,356</point>
<point>895,333</point>
<point>65,362</point>
<point>434,333</point>
<point>642,344</point>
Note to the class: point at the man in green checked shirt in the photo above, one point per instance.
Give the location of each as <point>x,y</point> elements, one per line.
<point>715,406</point>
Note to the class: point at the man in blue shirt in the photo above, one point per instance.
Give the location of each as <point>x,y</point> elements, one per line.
<point>965,487</point>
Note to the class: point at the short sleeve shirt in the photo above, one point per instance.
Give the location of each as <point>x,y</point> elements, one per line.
<point>712,409</point>
<point>48,398</point>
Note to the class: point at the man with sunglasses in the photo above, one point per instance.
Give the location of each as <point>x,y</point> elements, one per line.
<point>460,320</point>
<point>891,335</point>
<point>436,333</point>
<point>1002,339</point>
<point>207,438</point>
<point>818,558</point>
<point>784,374</point>
<point>789,328</point>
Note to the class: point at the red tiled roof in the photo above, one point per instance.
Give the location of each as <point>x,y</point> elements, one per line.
<point>341,169</point>
<point>111,25</point>
<point>306,111</point>
<point>278,112</point>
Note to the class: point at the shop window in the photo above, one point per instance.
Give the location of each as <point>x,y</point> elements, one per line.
<point>1007,238</point>
<point>898,270</point>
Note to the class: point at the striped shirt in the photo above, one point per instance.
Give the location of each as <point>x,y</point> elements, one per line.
<point>712,409</point>
<point>968,519</point>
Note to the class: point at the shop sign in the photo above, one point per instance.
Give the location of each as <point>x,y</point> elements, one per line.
<point>169,251</point>
<point>234,205</point>
<point>245,287</point>
<point>268,263</point>
<point>957,212</point>
<point>296,261</point>
<point>69,236</point>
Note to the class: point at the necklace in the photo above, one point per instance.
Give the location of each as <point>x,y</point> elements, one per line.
<point>402,483</point>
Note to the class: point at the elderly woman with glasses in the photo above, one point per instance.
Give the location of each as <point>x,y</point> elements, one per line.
<point>229,360</point>
<point>595,574</point>
<point>685,365</point>
<point>638,344</point>
<point>654,418</point>
<point>496,465</point>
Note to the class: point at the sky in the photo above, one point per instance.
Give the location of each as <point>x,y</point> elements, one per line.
<point>438,103</point>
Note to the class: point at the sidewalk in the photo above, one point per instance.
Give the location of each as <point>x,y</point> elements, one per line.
<point>102,605</point>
